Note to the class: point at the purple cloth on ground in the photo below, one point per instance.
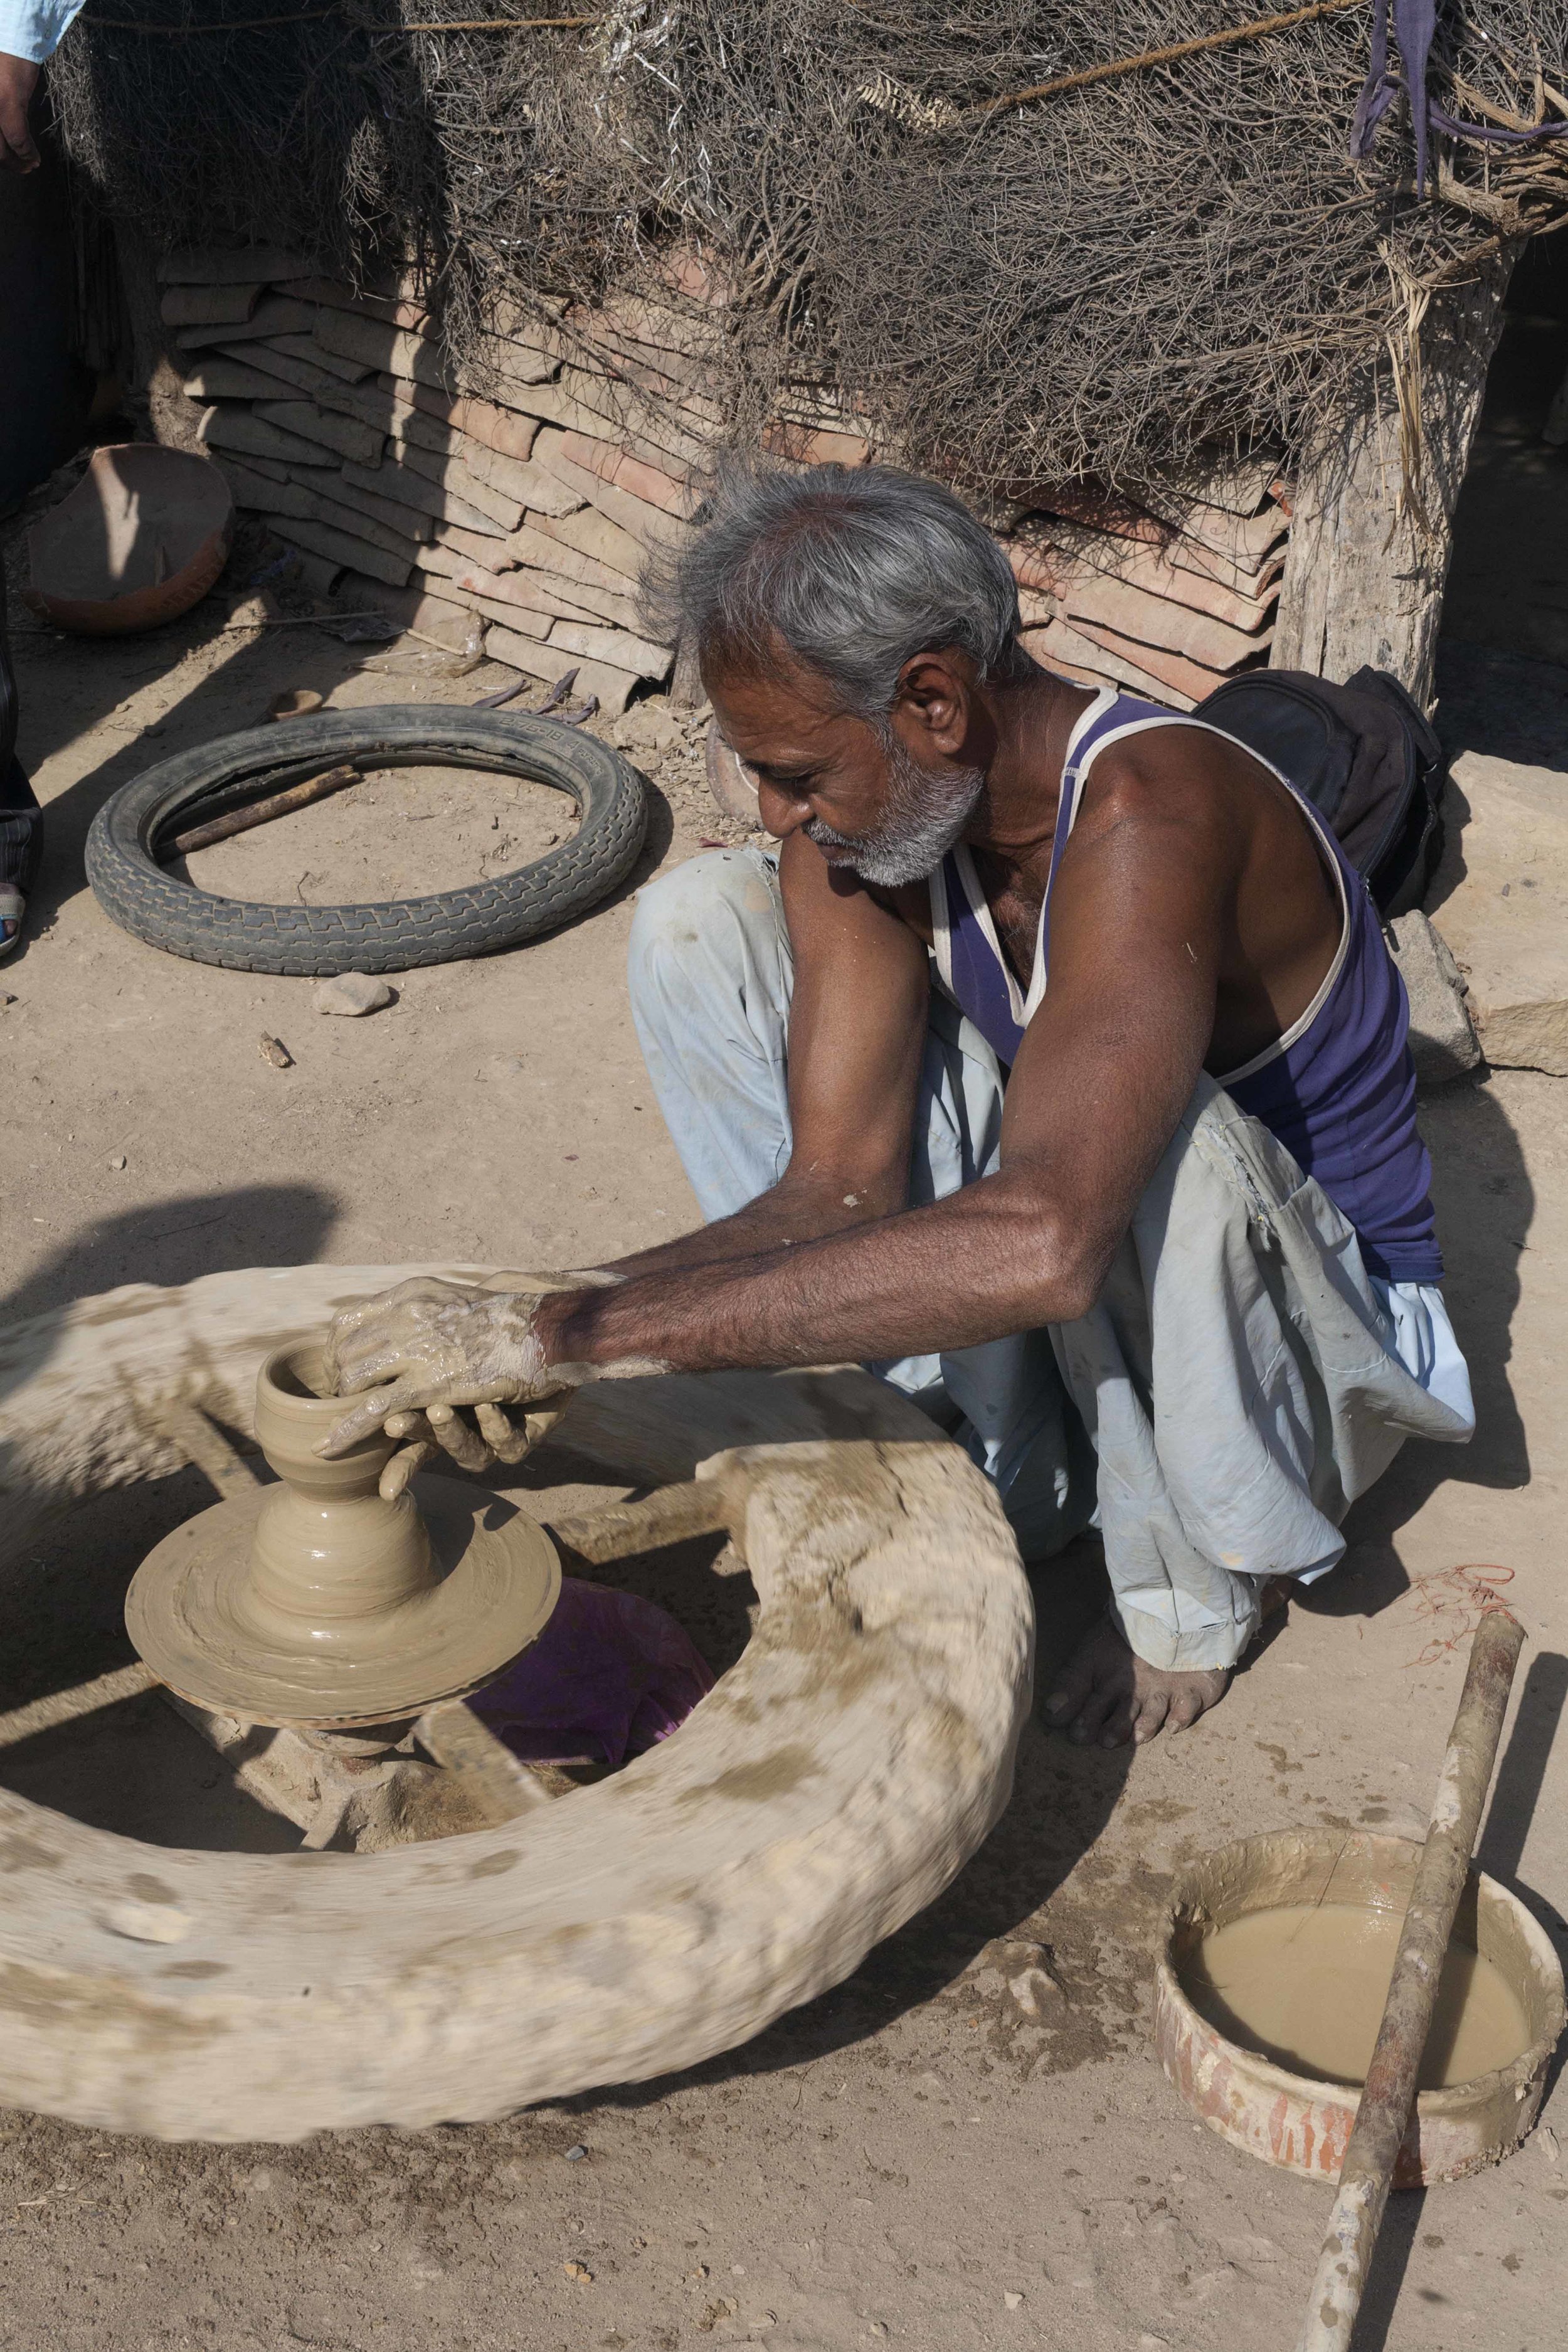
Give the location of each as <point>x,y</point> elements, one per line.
<point>609,1677</point>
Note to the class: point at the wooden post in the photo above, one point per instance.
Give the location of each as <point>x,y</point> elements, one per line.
<point>1364,574</point>
<point>1367,2173</point>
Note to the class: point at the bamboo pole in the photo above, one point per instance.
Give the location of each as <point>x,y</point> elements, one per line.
<point>1390,2093</point>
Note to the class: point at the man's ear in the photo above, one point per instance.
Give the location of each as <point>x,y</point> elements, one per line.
<point>936,697</point>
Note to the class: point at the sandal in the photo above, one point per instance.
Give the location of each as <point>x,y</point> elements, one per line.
<point>12,915</point>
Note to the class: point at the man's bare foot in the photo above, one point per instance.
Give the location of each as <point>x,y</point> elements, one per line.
<point>1110,1693</point>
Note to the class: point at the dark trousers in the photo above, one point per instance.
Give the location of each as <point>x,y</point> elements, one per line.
<point>21,821</point>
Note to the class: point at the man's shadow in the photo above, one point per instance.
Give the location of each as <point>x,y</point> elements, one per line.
<point>1511,709</point>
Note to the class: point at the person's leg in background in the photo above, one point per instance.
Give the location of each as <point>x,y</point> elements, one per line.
<point>21,821</point>
<point>43,388</point>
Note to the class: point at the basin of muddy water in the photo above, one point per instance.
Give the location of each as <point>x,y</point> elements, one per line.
<point>1270,1990</point>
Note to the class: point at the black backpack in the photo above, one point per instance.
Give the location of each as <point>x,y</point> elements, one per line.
<point>1363,754</point>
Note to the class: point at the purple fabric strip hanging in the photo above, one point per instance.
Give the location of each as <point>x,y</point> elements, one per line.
<point>1415,24</point>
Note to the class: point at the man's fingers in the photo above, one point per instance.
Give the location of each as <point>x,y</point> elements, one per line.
<point>18,152</point>
<point>452,1432</point>
<point>394,1478</point>
<point>506,1442</point>
<point>366,1417</point>
<point>405,1424</point>
<point>418,1286</point>
<point>19,79</point>
<point>371,1365</point>
<point>420,1289</point>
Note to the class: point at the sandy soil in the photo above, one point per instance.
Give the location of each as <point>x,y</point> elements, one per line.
<point>914,2159</point>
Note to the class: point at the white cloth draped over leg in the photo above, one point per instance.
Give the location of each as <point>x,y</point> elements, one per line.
<point>1242,1378</point>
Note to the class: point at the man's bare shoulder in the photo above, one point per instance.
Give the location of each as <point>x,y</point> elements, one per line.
<point>1191,782</point>
<point>1180,764</point>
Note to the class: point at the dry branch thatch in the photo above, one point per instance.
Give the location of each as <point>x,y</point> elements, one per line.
<point>1114,283</point>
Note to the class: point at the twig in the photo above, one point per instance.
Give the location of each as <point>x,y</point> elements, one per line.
<point>308,15</point>
<point>234,628</point>
<point>1252,31</point>
<point>179,32</point>
<point>507,25</point>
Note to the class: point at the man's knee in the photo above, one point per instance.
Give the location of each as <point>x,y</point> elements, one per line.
<point>695,920</point>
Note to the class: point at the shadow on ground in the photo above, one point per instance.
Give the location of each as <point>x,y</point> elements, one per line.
<point>1486,1204</point>
<point>178,1239</point>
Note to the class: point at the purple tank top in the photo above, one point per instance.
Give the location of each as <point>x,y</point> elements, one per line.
<point>1338,1090</point>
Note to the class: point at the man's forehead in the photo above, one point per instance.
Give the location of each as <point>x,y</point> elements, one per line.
<point>767,716</point>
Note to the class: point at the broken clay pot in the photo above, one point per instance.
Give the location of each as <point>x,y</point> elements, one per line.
<point>140,539</point>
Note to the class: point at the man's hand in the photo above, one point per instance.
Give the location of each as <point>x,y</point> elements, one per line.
<point>19,79</point>
<point>421,1350</point>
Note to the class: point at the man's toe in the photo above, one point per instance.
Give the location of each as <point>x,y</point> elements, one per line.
<point>1067,1699</point>
<point>1155,1711</point>
<point>1102,1703</point>
<point>1196,1696</point>
<point>1072,1691</point>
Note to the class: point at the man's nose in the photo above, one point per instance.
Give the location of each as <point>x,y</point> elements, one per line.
<point>781,813</point>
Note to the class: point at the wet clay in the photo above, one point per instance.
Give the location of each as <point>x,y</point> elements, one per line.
<point>1305,1985</point>
<point>319,1602</point>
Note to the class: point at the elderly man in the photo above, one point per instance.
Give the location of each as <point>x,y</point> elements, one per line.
<point>1054,1066</point>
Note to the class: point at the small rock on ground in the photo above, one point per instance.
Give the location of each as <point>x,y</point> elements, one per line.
<point>353,992</point>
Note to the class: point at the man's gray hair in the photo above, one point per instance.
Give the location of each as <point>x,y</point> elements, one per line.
<point>852,572</point>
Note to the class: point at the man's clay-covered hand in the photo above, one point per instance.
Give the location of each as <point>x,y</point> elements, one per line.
<point>19,79</point>
<point>416,1353</point>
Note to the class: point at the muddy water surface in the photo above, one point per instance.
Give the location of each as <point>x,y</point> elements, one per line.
<point>1305,1985</point>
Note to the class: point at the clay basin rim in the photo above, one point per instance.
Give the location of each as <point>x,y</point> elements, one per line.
<point>1303,2122</point>
<point>137,541</point>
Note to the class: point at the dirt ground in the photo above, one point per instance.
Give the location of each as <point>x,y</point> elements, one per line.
<point>913,2158</point>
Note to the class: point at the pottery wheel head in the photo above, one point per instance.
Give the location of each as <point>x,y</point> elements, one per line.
<point>314,1603</point>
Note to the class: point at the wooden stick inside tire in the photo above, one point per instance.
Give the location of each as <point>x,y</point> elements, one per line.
<point>276,804</point>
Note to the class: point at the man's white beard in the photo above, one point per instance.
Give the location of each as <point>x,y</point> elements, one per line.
<point>926,816</point>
